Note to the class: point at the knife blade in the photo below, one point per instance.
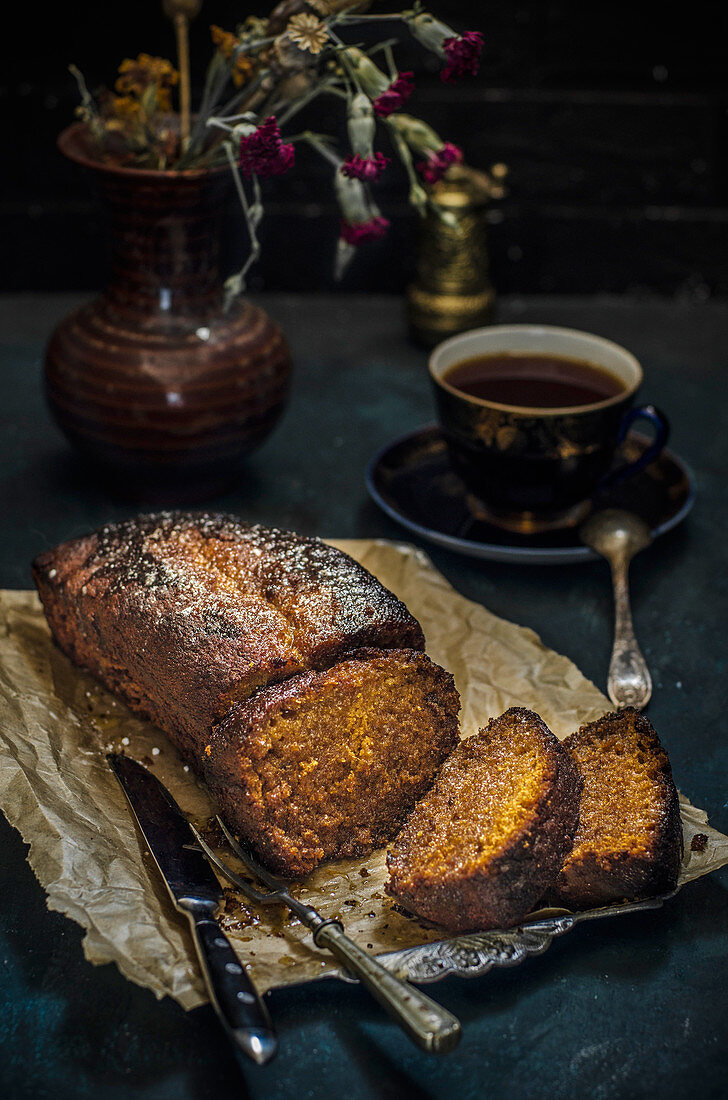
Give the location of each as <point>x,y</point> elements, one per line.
<point>197,893</point>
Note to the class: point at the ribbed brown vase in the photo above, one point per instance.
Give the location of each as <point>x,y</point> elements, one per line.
<point>154,382</point>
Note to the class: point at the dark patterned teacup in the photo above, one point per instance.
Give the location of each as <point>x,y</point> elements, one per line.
<point>533,416</point>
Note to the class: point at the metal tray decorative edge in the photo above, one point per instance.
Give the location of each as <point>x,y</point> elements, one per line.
<point>471,955</point>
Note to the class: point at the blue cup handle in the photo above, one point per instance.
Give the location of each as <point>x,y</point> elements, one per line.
<point>660,423</point>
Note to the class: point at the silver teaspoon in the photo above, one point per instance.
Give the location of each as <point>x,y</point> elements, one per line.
<point>618,536</point>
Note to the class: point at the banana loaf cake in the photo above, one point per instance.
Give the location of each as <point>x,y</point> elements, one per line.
<point>484,844</point>
<point>190,618</point>
<point>629,840</point>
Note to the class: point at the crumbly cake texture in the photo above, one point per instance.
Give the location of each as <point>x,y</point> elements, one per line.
<point>629,841</point>
<point>327,764</point>
<point>336,720</point>
<point>485,843</point>
<point>182,614</point>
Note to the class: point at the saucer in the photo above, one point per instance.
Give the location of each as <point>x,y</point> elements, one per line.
<point>412,481</point>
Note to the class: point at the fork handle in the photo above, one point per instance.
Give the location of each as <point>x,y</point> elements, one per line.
<point>425,1021</point>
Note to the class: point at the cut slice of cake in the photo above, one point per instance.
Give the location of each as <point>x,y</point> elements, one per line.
<point>629,841</point>
<point>327,764</point>
<point>486,842</point>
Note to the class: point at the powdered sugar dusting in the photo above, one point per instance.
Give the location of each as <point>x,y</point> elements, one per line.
<point>184,614</point>
<point>229,575</point>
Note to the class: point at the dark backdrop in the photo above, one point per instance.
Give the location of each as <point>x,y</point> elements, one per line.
<point>611,117</point>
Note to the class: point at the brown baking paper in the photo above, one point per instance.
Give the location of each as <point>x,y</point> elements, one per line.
<point>56,723</point>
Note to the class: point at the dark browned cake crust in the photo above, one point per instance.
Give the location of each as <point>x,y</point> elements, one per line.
<point>183,614</point>
<point>483,846</point>
<point>327,764</point>
<point>629,841</point>
<point>336,722</point>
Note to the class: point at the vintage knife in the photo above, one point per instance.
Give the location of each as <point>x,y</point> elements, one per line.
<point>197,893</point>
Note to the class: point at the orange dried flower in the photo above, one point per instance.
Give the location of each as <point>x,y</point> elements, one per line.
<point>226,43</point>
<point>164,99</point>
<point>136,76</point>
<point>125,108</point>
<point>224,40</point>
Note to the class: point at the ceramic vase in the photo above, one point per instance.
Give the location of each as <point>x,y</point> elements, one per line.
<point>155,383</point>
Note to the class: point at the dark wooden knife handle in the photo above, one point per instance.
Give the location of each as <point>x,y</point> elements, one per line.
<point>233,995</point>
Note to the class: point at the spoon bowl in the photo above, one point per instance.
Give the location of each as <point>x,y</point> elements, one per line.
<point>616,532</point>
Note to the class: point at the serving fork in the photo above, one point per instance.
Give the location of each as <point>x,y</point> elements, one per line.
<point>427,1023</point>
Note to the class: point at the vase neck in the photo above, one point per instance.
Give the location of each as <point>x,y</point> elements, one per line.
<point>165,244</point>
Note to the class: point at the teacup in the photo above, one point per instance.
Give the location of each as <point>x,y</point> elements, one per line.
<point>532,453</point>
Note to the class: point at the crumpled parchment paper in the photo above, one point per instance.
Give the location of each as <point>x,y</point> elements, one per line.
<point>57,723</point>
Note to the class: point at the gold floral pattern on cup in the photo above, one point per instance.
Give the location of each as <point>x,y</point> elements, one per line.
<point>528,468</point>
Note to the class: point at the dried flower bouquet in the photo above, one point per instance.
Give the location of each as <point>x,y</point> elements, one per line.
<point>259,79</point>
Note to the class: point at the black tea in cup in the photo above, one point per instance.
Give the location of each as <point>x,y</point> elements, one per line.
<point>533,416</point>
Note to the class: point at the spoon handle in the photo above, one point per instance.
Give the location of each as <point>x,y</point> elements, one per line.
<point>629,683</point>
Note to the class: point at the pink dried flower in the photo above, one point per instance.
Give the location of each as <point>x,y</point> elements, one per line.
<point>368,169</point>
<point>437,164</point>
<point>463,55</point>
<point>357,232</point>
<point>395,96</point>
<point>262,152</point>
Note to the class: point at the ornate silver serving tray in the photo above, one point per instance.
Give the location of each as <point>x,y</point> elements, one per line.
<point>470,955</point>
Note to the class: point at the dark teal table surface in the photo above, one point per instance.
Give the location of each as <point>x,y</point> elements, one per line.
<point>636,1007</point>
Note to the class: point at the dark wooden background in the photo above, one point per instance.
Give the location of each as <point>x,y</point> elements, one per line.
<point>611,117</point>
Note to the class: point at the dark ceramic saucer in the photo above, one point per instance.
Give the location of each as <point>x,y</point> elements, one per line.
<point>412,481</point>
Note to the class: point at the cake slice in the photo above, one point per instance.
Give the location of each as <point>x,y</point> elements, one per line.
<point>629,841</point>
<point>486,842</point>
<point>327,764</point>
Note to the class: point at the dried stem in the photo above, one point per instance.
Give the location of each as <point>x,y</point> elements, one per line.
<point>253,214</point>
<point>181,30</point>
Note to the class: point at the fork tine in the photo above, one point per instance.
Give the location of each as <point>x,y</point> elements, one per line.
<point>241,884</point>
<point>280,892</point>
<point>251,863</point>
<point>426,1022</point>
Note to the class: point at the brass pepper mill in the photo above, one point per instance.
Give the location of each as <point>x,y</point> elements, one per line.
<point>452,291</point>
